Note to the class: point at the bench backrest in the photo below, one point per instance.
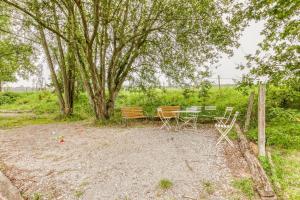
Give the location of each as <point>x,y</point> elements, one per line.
<point>167,111</point>
<point>132,112</point>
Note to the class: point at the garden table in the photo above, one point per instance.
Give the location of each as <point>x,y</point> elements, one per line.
<point>188,118</point>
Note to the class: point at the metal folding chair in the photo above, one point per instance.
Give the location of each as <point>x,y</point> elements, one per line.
<point>226,117</point>
<point>209,111</point>
<point>191,118</point>
<point>165,120</point>
<point>225,129</point>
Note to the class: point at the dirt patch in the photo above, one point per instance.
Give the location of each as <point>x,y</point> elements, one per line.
<point>116,163</point>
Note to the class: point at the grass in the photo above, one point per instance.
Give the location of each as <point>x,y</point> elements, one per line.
<point>37,196</point>
<point>285,175</point>
<point>245,186</point>
<point>12,122</point>
<point>44,102</point>
<point>283,141</point>
<point>78,193</point>
<point>165,184</point>
<point>282,112</point>
<point>208,187</point>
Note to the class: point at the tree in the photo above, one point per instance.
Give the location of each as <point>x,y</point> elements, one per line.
<point>15,55</point>
<point>60,59</point>
<point>114,41</point>
<point>279,55</point>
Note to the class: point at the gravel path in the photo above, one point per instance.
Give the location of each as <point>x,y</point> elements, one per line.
<point>115,163</point>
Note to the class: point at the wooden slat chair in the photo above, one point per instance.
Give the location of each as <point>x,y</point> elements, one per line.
<point>134,112</point>
<point>166,113</point>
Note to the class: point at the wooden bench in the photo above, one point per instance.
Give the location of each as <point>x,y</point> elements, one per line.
<point>168,111</point>
<point>133,113</point>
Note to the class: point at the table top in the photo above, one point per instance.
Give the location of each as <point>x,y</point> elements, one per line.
<point>186,111</point>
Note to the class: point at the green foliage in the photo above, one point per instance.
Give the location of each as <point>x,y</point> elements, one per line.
<point>79,193</point>
<point>8,98</point>
<point>146,39</point>
<point>278,56</point>
<point>15,55</point>
<point>11,122</point>
<point>37,196</point>
<point>245,186</point>
<point>282,129</point>
<point>165,184</point>
<point>208,187</point>
<point>38,102</point>
<point>14,59</point>
<point>280,134</point>
<point>184,98</point>
<point>82,106</point>
<point>283,96</point>
<point>265,164</point>
<point>276,114</point>
<point>287,173</point>
<point>204,89</point>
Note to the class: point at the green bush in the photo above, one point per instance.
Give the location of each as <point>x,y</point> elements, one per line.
<point>281,115</point>
<point>152,99</point>
<point>8,98</point>
<point>283,97</point>
<point>280,134</point>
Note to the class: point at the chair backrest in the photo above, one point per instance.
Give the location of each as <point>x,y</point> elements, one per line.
<point>168,111</point>
<point>194,108</point>
<point>210,108</point>
<point>227,114</point>
<point>233,119</point>
<point>132,112</point>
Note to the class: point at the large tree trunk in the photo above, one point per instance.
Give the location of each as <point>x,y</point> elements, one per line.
<point>66,67</point>
<point>52,70</point>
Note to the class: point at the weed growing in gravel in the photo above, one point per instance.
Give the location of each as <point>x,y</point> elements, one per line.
<point>245,186</point>
<point>208,187</point>
<point>37,196</point>
<point>78,193</point>
<point>165,184</point>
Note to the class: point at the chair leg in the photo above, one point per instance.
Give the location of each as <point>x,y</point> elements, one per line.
<point>165,124</point>
<point>224,136</point>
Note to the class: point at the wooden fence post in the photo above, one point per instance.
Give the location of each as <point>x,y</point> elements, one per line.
<point>261,120</point>
<point>249,111</point>
<point>219,82</point>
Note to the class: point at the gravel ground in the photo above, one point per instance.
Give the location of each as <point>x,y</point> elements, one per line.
<point>118,163</point>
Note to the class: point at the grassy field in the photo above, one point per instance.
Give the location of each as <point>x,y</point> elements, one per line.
<point>282,112</point>
<point>44,102</point>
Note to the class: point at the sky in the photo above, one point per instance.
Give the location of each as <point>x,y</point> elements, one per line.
<point>227,65</point>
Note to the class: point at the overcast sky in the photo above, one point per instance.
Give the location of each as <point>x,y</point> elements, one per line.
<point>227,66</point>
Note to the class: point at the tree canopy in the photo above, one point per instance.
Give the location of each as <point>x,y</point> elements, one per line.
<point>15,55</point>
<point>279,55</point>
<point>106,43</point>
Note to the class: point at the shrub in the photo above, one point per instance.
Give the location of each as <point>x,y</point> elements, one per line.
<point>283,97</point>
<point>8,98</point>
<point>280,134</point>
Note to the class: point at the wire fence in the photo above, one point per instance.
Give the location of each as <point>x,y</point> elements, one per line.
<point>216,81</point>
